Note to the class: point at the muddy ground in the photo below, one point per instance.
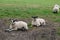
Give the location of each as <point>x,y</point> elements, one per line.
<point>47,32</point>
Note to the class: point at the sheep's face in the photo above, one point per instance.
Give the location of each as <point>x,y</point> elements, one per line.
<point>56,6</point>
<point>13,20</point>
<point>34,18</point>
<point>35,22</point>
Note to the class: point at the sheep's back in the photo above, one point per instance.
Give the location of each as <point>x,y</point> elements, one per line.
<point>20,24</point>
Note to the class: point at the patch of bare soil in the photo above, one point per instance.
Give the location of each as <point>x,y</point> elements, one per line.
<point>47,32</point>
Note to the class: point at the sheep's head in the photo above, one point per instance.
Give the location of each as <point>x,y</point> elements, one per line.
<point>56,5</point>
<point>34,17</point>
<point>13,20</point>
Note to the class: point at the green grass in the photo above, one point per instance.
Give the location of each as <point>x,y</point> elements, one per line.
<point>27,8</point>
<point>58,30</point>
<point>19,12</point>
<point>24,2</point>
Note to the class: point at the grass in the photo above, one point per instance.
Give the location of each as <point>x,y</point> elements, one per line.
<point>58,31</point>
<point>27,8</point>
<point>16,12</point>
<point>24,2</point>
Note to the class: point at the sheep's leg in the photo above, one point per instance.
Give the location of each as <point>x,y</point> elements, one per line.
<point>38,24</point>
<point>26,27</point>
<point>14,29</point>
<point>10,27</point>
<point>44,23</point>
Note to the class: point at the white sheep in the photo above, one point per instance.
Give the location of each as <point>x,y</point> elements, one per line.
<point>18,25</point>
<point>38,21</point>
<point>56,8</point>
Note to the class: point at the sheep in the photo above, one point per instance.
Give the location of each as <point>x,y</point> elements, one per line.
<point>36,21</point>
<point>17,25</point>
<point>56,8</point>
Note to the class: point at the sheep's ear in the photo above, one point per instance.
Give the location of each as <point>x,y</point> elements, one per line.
<point>14,20</point>
<point>34,16</point>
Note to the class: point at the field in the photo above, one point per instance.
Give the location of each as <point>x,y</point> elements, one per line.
<point>24,9</point>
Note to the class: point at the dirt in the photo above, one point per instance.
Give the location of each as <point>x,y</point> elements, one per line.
<point>47,32</point>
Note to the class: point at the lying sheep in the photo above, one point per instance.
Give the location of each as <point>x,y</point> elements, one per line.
<point>18,25</point>
<point>38,21</point>
<point>56,8</point>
